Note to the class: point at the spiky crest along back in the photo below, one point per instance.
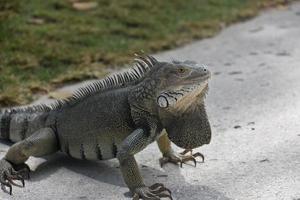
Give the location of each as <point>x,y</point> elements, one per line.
<point>142,65</point>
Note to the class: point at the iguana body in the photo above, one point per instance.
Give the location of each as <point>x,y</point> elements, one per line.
<point>114,118</point>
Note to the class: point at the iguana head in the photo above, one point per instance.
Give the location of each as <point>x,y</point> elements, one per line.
<point>179,96</point>
<point>179,84</point>
<point>175,91</point>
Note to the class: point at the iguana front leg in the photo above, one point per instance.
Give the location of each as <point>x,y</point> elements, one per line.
<point>13,167</point>
<point>133,144</point>
<point>169,155</point>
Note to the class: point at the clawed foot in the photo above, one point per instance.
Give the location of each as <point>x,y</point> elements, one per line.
<point>10,173</point>
<point>154,192</point>
<point>180,158</point>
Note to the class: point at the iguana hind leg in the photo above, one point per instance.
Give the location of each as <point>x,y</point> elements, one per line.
<point>13,167</point>
<point>169,155</point>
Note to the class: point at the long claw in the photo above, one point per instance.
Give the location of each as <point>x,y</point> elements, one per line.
<point>163,161</point>
<point>168,191</point>
<point>189,159</point>
<point>28,176</point>
<point>10,189</point>
<point>3,187</point>
<point>157,191</point>
<point>23,182</point>
<point>160,189</point>
<point>198,154</point>
<point>156,185</point>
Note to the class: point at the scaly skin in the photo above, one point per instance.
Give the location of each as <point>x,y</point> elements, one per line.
<point>115,117</point>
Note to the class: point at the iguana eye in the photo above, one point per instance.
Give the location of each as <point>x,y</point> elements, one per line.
<point>181,70</point>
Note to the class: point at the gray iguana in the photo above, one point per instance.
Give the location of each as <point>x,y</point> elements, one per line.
<point>115,117</point>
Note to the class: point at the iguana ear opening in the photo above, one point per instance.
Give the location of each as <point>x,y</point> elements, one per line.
<point>164,100</point>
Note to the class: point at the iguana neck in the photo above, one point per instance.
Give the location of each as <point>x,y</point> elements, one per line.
<point>143,96</point>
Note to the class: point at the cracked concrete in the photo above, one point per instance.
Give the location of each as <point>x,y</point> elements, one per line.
<point>254,108</point>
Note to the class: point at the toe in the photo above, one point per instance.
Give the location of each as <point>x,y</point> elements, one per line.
<point>154,192</point>
<point>186,151</point>
<point>24,173</point>
<point>5,185</point>
<point>163,161</point>
<point>190,158</point>
<point>11,181</point>
<point>149,195</point>
<point>161,190</point>
<point>163,195</point>
<point>156,185</point>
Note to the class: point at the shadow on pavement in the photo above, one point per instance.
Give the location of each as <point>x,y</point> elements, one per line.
<point>108,172</point>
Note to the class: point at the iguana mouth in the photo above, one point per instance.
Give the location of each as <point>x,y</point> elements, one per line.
<point>201,78</point>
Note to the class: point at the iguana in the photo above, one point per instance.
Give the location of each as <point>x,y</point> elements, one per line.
<point>115,117</point>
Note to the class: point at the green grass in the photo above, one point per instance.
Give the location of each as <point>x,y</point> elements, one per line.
<point>71,45</point>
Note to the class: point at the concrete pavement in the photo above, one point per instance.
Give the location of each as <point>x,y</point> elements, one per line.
<point>254,108</point>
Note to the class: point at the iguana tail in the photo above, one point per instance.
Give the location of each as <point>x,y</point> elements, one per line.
<point>19,123</point>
